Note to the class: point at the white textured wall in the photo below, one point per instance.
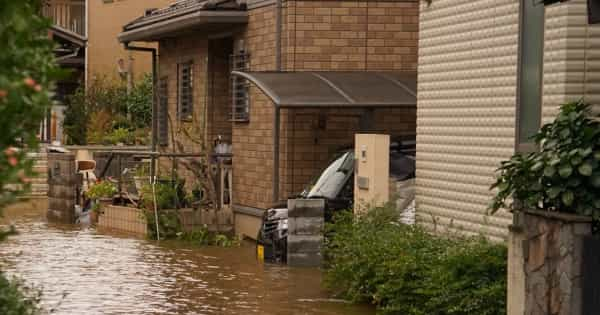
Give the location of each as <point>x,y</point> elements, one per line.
<point>572,57</point>
<point>467,100</point>
<point>466,110</point>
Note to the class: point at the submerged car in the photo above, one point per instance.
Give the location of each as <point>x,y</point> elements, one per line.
<point>335,184</point>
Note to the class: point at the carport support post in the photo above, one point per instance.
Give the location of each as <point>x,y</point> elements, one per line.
<point>276,135</point>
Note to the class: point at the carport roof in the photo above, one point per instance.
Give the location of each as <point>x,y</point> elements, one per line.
<point>336,89</point>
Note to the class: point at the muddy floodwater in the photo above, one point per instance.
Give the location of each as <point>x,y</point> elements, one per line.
<point>82,271</point>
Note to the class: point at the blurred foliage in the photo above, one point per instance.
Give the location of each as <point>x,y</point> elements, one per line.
<point>27,75</point>
<point>564,175</point>
<point>104,112</point>
<point>103,189</point>
<point>406,270</point>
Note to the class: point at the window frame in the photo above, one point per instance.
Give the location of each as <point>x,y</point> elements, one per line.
<point>162,120</point>
<point>520,145</point>
<point>186,117</point>
<point>240,61</point>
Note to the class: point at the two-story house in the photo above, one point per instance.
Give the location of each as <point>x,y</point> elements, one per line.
<point>285,83</point>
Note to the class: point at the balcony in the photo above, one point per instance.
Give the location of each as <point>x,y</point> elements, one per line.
<point>68,14</point>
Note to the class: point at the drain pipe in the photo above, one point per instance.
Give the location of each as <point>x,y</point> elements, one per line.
<point>154,122</point>
<point>276,118</point>
<point>154,52</point>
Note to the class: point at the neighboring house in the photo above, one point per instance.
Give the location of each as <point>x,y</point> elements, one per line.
<point>105,55</point>
<point>482,93</point>
<point>307,76</point>
<point>68,32</point>
<point>85,33</point>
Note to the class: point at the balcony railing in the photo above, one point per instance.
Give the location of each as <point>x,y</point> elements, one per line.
<point>68,14</point>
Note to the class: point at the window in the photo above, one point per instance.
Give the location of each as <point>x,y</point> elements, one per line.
<point>185,105</point>
<point>531,59</point>
<point>163,112</point>
<point>240,111</point>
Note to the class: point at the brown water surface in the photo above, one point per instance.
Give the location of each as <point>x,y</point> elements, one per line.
<point>81,271</point>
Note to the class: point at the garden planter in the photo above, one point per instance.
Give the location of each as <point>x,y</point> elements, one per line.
<point>102,204</point>
<point>546,263</point>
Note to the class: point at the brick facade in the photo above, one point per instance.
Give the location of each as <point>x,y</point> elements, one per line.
<point>316,35</point>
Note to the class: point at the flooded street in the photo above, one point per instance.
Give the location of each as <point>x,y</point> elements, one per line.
<point>81,271</point>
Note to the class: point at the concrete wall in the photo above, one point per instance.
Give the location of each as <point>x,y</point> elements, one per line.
<point>467,100</point>
<point>106,20</point>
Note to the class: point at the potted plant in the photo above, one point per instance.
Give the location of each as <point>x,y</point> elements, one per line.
<point>101,194</point>
<point>563,176</point>
<point>555,199</point>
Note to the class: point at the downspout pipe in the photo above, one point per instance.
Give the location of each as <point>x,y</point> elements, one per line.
<point>154,141</point>
<point>276,114</point>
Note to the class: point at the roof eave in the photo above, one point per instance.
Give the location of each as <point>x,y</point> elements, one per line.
<point>155,31</point>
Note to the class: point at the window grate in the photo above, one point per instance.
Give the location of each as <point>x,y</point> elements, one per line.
<point>163,111</point>
<point>186,91</point>
<point>240,99</point>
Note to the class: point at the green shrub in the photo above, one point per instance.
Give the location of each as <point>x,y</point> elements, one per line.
<point>125,110</point>
<point>168,195</point>
<point>16,299</point>
<point>405,270</point>
<point>564,175</point>
<point>169,224</point>
<point>103,189</point>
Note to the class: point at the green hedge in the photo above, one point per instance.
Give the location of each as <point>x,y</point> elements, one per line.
<point>405,270</point>
<point>13,301</point>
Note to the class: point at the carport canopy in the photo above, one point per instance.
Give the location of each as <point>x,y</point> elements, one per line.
<point>336,89</point>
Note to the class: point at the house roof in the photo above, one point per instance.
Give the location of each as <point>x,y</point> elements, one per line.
<point>68,35</point>
<point>183,16</point>
<point>336,89</point>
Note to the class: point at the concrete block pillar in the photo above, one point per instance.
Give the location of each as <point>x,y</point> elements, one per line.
<point>63,181</point>
<point>306,220</point>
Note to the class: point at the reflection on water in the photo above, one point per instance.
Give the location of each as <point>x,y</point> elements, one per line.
<point>83,272</point>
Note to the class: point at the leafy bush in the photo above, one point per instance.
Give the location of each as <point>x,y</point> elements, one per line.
<point>27,75</point>
<point>170,228</point>
<point>103,189</point>
<point>16,299</point>
<point>168,195</point>
<point>564,175</point>
<point>405,270</point>
<point>93,113</point>
<point>119,135</point>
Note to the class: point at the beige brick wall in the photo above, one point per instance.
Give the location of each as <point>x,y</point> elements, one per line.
<point>350,35</point>
<point>317,35</point>
<point>310,138</point>
<point>253,154</point>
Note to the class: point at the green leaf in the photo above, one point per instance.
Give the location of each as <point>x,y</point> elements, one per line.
<point>585,169</point>
<point>595,180</point>
<point>503,186</point>
<point>574,182</point>
<point>597,203</point>
<point>567,198</point>
<point>537,166</point>
<point>597,155</point>
<point>576,160</point>
<point>549,171</point>
<point>553,192</point>
<point>565,171</point>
